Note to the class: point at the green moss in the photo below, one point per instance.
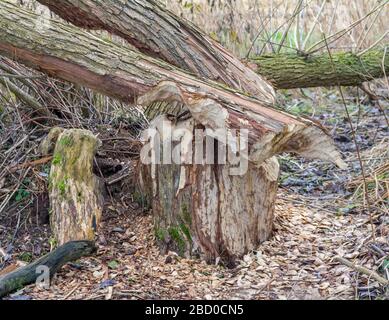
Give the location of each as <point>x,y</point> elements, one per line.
<point>66,141</point>
<point>62,184</point>
<point>186,214</point>
<point>160,234</point>
<point>26,257</point>
<point>186,231</point>
<point>175,235</point>
<point>57,159</point>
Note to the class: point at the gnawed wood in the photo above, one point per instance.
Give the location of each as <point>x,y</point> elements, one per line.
<point>75,193</point>
<point>270,131</point>
<point>51,263</point>
<point>74,55</point>
<point>202,209</point>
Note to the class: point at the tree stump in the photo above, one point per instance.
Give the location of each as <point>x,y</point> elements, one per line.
<point>76,200</point>
<point>203,210</point>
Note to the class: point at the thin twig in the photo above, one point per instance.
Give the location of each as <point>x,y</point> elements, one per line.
<point>363,270</point>
<point>355,142</point>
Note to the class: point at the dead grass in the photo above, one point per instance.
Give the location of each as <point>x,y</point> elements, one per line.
<point>240,23</point>
<point>377,164</point>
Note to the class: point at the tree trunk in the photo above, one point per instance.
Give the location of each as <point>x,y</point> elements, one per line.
<point>71,54</point>
<point>158,32</point>
<point>202,208</point>
<point>288,71</point>
<point>53,261</point>
<point>74,191</point>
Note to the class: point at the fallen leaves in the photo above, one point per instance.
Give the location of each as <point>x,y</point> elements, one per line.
<point>296,263</point>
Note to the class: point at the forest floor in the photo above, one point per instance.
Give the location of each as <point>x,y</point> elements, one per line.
<point>319,215</point>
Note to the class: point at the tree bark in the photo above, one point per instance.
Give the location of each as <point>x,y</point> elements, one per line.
<point>288,71</point>
<point>74,55</point>
<point>199,207</point>
<point>53,261</point>
<point>159,33</point>
<point>75,194</point>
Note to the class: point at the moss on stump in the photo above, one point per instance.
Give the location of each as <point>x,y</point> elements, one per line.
<point>75,193</point>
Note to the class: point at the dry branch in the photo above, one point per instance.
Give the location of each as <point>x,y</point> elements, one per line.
<point>23,96</point>
<point>27,164</point>
<point>54,260</point>
<point>363,270</point>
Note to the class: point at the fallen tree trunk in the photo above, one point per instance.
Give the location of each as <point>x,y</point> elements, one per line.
<point>158,32</point>
<point>50,263</point>
<point>288,71</point>
<point>71,54</point>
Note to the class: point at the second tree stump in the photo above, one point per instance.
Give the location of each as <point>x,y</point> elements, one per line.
<point>76,201</point>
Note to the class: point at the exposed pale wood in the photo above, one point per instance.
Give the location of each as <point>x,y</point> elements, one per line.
<point>203,210</point>
<point>75,193</point>
<point>54,260</point>
<point>74,55</point>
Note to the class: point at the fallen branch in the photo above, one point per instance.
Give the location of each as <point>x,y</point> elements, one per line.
<point>288,71</point>
<point>28,164</point>
<point>363,270</point>
<point>23,96</point>
<point>53,261</point>
<point>119,176</point>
